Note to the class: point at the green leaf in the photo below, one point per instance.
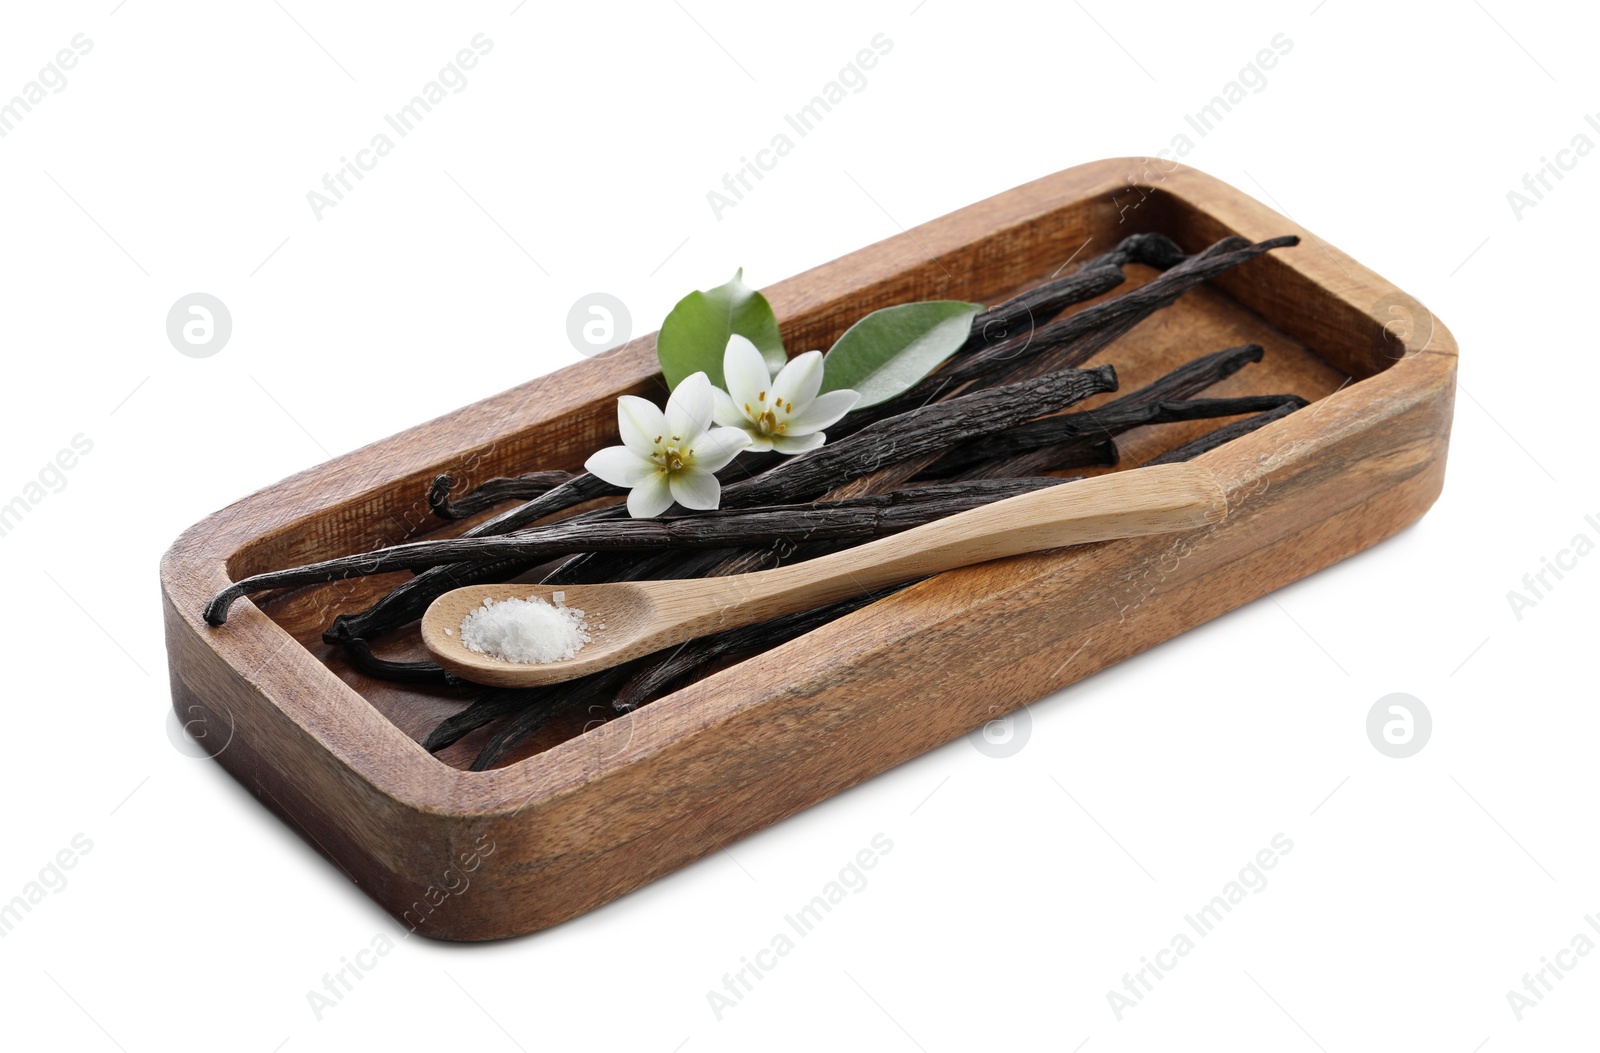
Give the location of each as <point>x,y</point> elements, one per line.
<point>695,335</point>
<point>889,350</point>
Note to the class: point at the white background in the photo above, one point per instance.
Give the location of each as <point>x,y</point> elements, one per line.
<point>578,157</point>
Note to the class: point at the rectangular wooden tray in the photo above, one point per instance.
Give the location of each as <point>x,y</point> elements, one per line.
<point>586,815</point>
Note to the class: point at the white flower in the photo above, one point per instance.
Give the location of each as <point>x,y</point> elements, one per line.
<point>669,456</point>
<point>782,413</point>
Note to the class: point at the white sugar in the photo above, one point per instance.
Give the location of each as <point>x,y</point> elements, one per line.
<point>525,631</point>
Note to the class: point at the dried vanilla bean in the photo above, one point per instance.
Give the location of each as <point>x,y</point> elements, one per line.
<point>485,709</point>
<point>919,431</point>
<point>1039,305</point>
<point>1027,311</point>
<point>657,677</point>
<point>1087,448</point>
<point>1097,276</point>
<point>1021,314</point>
<point>361,657</point>
<point>1228,432</point>
<point>1076,439</point>
<point>1138,409</point>
<point>1150,249</point>
<point>1091,329</point>
<point>858,518</point>
<point>549,700</point>
<point>491,492</point>
<point>406,602</point>
<point>591,691</point>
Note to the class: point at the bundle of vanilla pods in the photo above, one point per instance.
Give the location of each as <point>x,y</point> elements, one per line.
<point>992,422</point>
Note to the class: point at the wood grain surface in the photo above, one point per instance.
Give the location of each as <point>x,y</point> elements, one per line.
<point>580,817</point>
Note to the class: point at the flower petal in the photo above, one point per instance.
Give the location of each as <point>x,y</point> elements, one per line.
<point>823,411</point>
<point>798,382</point>
<point>746,373</point>
<point>717,447</point>
<point>651,497</point>
<point>696,488</point>
<point>758,443</point>
<point>724,411</point>
<point>792,444</point>
<point>619,466</point>
<point>640,422</point>
<point>690,407</point>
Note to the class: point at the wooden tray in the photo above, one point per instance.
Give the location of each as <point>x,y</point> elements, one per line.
<point>586,815</point>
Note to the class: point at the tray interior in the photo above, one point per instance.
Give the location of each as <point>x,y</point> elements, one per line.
<point>1230,312</point>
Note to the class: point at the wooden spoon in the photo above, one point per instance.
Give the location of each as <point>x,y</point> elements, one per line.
<point>644,616</point>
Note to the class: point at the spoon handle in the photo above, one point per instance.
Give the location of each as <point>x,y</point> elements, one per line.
<point>1144,501</point>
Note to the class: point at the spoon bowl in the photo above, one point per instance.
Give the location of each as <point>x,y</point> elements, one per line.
<point>615,613</point>
<point>632,618</point>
